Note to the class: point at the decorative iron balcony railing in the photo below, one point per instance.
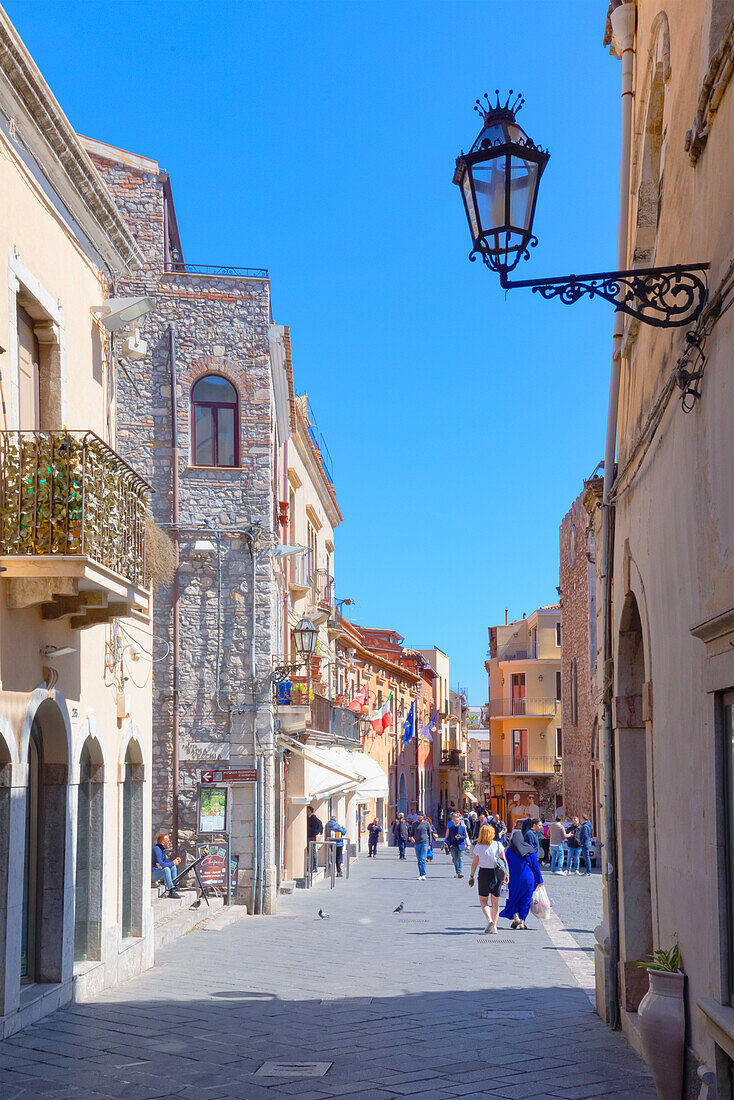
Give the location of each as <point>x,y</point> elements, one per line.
<point>324,588</point>
<point>178,267</point>
<point>69,493</point>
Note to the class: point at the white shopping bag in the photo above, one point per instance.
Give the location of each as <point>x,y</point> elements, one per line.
<point>540,905</point>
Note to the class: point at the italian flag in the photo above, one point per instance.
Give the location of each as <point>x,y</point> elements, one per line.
<point>382,719</point>
<point>360,699</point>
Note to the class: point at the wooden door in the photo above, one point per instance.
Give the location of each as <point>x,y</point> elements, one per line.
<point>28,360</point>
<point>518,693</point>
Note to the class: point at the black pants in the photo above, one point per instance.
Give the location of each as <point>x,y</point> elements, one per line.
<point>401,847</point>
<point>339,853</point>
<point>372,847</point>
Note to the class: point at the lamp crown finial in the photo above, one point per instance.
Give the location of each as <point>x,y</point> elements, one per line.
<point>510,105</point>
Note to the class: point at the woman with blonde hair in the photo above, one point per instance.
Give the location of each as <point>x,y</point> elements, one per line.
<point>490,859</point>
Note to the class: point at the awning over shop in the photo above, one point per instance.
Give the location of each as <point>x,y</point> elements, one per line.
<point>335,770</point>
<point>471,797</point>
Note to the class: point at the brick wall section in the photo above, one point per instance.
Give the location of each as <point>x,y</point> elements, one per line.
<point>221,325</point>
<point>578,640</point>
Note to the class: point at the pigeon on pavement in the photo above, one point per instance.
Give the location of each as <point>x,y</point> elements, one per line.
<point>399,908</point>
<point>323,915</point>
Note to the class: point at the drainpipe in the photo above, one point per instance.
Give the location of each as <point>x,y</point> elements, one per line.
<point>175,591</point>
<point>623,28</point>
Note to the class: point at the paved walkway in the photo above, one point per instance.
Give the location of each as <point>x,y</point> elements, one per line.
<point>419,1005</point>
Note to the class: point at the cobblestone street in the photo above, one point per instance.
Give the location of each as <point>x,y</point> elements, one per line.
<point>419,1004</point>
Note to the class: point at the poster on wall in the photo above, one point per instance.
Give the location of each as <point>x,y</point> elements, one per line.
<point>521,805</point>
<point>213,809</point>
<point>213,868</point>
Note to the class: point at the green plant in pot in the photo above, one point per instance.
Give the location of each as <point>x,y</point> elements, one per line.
<point>662,1019</point>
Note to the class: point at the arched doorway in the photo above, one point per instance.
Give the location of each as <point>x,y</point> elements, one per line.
<point>89,854</point>
<point>131,907</point>
<point>46,820</point>
<point>402,796</point>
<point>633,839</point>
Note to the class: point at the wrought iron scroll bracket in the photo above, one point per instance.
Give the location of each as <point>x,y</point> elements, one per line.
<point>665,297</point>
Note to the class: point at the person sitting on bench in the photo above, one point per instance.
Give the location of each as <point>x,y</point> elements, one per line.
<point>165,869</point>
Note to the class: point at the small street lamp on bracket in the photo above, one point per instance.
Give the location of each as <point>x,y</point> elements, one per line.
<point>499,179</point>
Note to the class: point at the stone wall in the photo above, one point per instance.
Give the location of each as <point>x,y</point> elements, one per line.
<point>221,326</point>
<point>578,642</point>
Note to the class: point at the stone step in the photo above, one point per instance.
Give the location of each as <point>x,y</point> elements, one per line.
<point>189,911</point>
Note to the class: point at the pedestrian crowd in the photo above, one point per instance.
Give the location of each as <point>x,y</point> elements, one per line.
<point>503,864</point>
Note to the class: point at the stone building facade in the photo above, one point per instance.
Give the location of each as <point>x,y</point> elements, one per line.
<point>579,747</point>
<point>213,326</point>
<point>667,684</point>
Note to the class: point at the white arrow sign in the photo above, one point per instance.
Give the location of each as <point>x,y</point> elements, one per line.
<point>207,777</point>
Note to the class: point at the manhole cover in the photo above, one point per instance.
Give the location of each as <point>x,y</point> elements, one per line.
<point>293,1069</point>
<point>408,921</point>
<point>498,1014</point>
<point>492,939</point>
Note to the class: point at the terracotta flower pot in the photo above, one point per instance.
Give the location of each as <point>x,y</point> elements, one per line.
<point>662,1026</point>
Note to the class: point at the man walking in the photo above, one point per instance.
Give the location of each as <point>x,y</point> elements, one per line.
<point>337,832</point>
<point>422,836</point>
<point>373,835</point>
<point>400,834</point>
<point>557,837</point>
<point>314,829</point>
<point>457,839</point>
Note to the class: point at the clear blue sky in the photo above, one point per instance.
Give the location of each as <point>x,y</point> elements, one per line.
<point>319,140</point>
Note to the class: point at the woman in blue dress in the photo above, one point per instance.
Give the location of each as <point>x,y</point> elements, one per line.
<point>524,877</point>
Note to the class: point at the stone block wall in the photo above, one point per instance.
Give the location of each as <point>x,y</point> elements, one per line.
<point>578,642</point>
<point>221,326</point>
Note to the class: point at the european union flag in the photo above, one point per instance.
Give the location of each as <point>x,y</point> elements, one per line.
<point>409,725</point>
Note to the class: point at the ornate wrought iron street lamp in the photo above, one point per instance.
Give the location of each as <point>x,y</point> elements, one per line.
<point>499,179</point>
<point>305,633</point>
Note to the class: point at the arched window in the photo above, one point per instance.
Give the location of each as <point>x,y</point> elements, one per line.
<point>214,422</point>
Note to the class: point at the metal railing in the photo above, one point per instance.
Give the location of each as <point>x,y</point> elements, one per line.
<point>451,758</point>
<point>179,267</point>
<point>518,764</point>
<point>323,588</point>
<point>345,724</point>
<point>301,573</point>
<point>320,714</point>
<point>319,442</point>
<point>69,493</point>
<point>311,855</point>
<point>504,708</point>
<point>517,655</point>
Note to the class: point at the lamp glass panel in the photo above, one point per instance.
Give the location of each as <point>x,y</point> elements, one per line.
<point>523,184</point>
<point>491,133</point>
<point>204,428</point>
<point>469,204</point>
<point>489,185</point>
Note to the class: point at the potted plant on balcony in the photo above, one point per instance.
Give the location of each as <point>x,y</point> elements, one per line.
<point>299,694</point>
<point>662,1021</point>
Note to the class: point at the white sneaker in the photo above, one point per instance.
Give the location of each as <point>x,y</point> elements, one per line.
<point>422,878</point>
<point>576,872</point>
<point>490,928</point>
<point>493,930</point>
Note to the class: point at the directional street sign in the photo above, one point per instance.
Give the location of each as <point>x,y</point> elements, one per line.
<point>233,775</point>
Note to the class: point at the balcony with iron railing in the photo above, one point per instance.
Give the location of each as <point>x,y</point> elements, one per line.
<point>301,574</point>
<point>323,589</point>
<point>510,708</point>
<point>451,758</point>
<point>518,764</point>
<point>178,267</point>
<point>72,527</point>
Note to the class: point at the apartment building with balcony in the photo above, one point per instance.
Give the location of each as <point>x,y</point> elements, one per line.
<point>448,750</point>
<point>523,714</point>
<point>75,607</point>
